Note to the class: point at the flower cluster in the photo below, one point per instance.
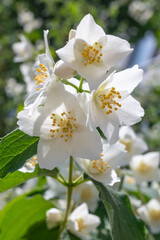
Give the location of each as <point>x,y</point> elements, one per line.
<point>76,103</point>
<point>65,120</point>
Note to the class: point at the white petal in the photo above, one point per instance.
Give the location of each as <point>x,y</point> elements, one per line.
<point>27,122</point>
<point>72,34</point>
<point>66,53</point>
<point>130,112</point>
<point>89,30</point>
<point>115,50</point>
<point>112,128</point>
<point>87,144</point>
<point>48,53</point>
<point>127,79</point>
<point>79,212</point>
<point>152,158</point>
<point>51,153</point>
<point>56,95</point>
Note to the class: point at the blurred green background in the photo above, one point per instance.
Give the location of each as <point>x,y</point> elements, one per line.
<point>131,20</point>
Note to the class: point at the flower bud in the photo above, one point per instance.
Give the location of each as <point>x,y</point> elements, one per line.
<point>63,71</point>
<point>53,217</point>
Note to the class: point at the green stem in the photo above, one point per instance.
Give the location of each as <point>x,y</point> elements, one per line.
<point>141,194</point>
<point>81,84</point>
<point>69,198</point>
<point>121,183</point>
<point>60,180</point>
<point>69,83</point>
<point>80,182</point>
<point>87,91</point>
<point>64,180</point>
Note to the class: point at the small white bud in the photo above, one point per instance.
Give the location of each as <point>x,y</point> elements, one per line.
<point>63,71</point>
<point>53,217</point>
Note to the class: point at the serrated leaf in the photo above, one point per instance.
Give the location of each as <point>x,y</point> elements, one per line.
<point>124,224</point>
<point>17,178</point>
<point>20,214</point>
<point>15,149</point>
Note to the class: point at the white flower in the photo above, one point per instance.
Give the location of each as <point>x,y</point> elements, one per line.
<point>141,11</point>
<point>27,20</point>
<point>54,217</point>
<point>23,49</point>
<point>86,192</point>
<point>133,144</point>
<point>61,126</point>
<point>44,76</point>
<point>81,223</point>
<point>112,105</point>
<point>150,213</point>
<point>13,88</point>
<point>102,170</point>
<point>145,167</point>
<point>91,52</point>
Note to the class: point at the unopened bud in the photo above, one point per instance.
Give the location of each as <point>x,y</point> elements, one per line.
<point>63,71</point>
<point>53,217</point>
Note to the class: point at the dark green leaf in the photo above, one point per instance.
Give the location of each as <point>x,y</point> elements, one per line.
<point>20,214</point>
<point>39,231</point>
<point>156,236</point>
<point>15,149</point>
<point>103,230</point>
<point>17,178</point>
<point>66,235</point>
<point>124,224</point>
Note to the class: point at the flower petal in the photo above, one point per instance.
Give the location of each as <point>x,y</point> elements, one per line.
<point>49,153</point>
<point>88,144</point>
<point>66,53</point>
<point>127,79</point>
<point>115,50</point>
<point>48,53</point>
<point>130,111</point>
<point>89,30</point>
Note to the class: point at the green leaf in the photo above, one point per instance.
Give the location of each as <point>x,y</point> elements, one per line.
<point>103,230</point>
<point>39,231</point>
<point>156,236</point>
<point>15,149</point>
<point>17,178</point>
<point>20,214</point>
<point>124,224</point>
<point>66,235</point>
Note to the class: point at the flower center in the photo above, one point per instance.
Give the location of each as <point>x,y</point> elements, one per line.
<point>129,180</point>
<point>154,214</point>
<point>127,143</point>
<point>63,125</point>
<point>42,75</point>
<point>32,162</point>
<point>92,54</point>
<point>81,224</point>
<point>86,194</point>
<point>98,166</point>
<point>107,101</point>
<point>144,168</point>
